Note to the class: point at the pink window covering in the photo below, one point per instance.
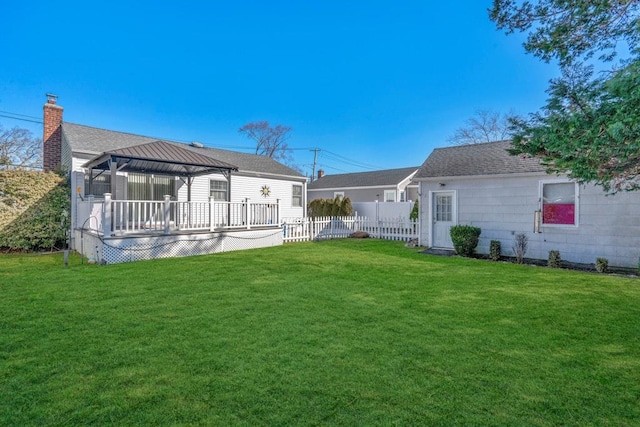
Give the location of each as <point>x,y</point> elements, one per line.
<point>559,213</point>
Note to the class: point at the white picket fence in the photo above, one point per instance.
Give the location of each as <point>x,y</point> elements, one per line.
<point>306,229</point>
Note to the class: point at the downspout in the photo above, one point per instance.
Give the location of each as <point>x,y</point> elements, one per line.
<point>304,200</point>
<point>229,197</point>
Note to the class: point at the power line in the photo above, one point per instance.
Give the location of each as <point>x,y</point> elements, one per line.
<point>18,118</point>
<point>21,115</point>
<point>338,158</point>
<point>334,168</point>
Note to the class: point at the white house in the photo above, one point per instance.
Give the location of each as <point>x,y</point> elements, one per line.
<point>482,185</point>
<point>136,197</point>
<point>389,185</point>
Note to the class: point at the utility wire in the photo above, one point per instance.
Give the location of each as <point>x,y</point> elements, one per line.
<point>18,118</point>
<point>21,115</point>
<point>355,162</point>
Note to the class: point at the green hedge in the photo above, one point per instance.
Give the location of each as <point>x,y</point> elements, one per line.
<point>340,206</point>
<point>32,208</point>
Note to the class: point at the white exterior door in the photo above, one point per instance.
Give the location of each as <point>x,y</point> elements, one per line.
<point>443,205</point>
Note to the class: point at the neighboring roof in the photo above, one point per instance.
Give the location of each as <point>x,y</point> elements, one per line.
<point>490,158</point>
<point>159,157</point>
<point>95,141</point>
<point>388,177</point>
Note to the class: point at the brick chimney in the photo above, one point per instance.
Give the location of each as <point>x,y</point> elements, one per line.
<point>52,134</point>
<point>320,173</point>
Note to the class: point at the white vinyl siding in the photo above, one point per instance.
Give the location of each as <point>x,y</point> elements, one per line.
<point>503,207</point>
<point>247,187</point>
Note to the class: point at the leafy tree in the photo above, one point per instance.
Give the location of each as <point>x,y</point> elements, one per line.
<point>570,30</point>
<point>270,141</point>
<point>484,126</point>
<point>19,148</point>
<point>589,127</point>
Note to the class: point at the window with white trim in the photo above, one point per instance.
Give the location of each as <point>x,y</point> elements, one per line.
<point>338,194</point>
<point>389,195</point>
<point>559,203</point>
<point>296,196</point>
<point>218,190</point>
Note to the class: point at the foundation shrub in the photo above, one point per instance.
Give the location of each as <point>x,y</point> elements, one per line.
<point>465,239</point>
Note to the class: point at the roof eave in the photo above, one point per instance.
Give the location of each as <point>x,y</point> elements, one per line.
<point>500,175</point>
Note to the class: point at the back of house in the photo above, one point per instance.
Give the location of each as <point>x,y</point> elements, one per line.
<point>504,195</point>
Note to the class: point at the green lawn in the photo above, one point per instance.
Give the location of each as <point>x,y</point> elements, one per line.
<point>344,332</point>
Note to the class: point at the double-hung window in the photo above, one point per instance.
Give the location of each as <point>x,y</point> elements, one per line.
<point>389,195</point>
<point>296,196</point>
<point>218,190</point>
<point>559,203</point>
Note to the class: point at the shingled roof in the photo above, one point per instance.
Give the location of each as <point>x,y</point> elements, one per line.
<point>95,141</point>
<point>490,158</point>
<point>388,177</point>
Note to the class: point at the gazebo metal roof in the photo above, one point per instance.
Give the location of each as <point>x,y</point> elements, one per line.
<point>159,157</point>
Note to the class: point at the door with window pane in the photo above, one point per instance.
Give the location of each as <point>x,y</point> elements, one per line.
<point>443,215</point>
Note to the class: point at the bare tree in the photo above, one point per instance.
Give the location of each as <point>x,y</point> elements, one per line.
<point>483,126</point>
<point>270,141</point>
<point>19,148</point>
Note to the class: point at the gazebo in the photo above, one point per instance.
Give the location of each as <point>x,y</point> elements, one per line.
<point>160,158</point>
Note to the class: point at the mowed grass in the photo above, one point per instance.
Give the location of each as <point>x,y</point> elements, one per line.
<point>344,332</point>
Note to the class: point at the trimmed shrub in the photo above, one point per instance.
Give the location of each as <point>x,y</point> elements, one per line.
<point>554,259</point>
<point>465,239</point>
<point>494,250</point>
<point>602,265</point>
<point>415,211</point>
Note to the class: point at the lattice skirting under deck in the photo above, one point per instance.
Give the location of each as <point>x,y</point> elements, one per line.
<point>116,250</point>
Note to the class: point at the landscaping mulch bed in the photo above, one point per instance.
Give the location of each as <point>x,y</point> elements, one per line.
<point>541,263</point>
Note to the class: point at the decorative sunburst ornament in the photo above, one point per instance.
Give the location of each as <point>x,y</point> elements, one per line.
<point>265,191</point>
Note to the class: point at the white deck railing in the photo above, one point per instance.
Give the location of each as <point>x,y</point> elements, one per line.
<point>115,217</point>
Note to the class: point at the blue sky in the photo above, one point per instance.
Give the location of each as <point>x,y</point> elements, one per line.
<point>380,84</point>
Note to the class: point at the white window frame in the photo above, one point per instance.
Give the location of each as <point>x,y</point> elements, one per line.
<point>338,194</point>
<point>294,196</point>
<point>576,201</point>
<point>389,192</point>
<point>226,190</point>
